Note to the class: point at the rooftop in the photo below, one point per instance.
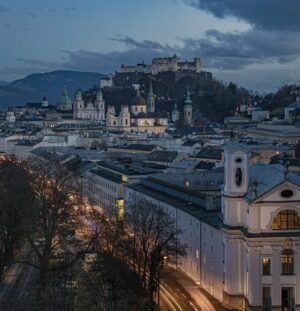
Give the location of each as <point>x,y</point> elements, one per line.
<point>197,210</point>
<point>210,153</point>
<point>138,147</point>
<point>265,177</point>
<point>130,169</point>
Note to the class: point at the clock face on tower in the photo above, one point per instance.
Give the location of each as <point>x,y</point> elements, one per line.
<point>238,176</point>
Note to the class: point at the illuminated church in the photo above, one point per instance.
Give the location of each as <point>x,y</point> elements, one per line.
<point>245,250</point>
<point>140,116</point>
<point>261,234</point>
<point>94,111</point>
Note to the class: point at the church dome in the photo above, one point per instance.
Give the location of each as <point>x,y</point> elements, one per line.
<point>65,99</point>
<point>138,100</point>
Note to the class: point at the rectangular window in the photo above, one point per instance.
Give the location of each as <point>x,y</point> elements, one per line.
<point>266,299</point>
<point>266,266</point>
<point>287,265</point>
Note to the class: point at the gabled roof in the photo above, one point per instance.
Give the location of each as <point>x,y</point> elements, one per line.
<point>266,178</point>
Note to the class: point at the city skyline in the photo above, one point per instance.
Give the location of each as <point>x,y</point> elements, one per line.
<point>236,41</point>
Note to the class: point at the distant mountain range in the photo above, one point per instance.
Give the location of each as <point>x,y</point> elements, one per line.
<point>33,87</point>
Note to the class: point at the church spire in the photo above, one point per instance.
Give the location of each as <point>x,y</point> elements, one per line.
<point>78,94</point>
<point>64,92</point>
<point>188,100</point>
<point>150,99</point>
<point>99,95</point>
<point>188,110</point>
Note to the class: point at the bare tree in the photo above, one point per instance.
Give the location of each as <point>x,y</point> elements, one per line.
<point>56,216</point>
<point>109,286</point>
<point>147,238</point>
<point>16,199</point>
<point>155,239</point>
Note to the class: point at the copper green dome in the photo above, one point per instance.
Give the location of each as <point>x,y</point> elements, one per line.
<point>65,99</point>
<point>138,100</point>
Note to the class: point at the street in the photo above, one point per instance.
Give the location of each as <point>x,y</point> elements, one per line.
<point>15,283</point>
<point>180,293</point>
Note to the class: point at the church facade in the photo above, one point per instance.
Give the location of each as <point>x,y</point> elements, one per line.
<point>261,234</point>
<point>247,254</point>
<point>94,111</point>
<point>140,116</point>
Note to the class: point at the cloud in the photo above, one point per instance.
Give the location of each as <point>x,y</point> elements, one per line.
<point>144,44</point>
<point>107,62</point>
<point>38,63</point>
<point>220,51</point>
<point>3,9</point>
<point>266,14</point>
<point>238,50</point>
<point>32,15</point>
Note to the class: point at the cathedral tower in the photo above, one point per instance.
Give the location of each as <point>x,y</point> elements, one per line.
<point>150,99</point>
<point>78,105</point>
<point>188,110</point>
<point>125,116</point>
<point>100,106</point>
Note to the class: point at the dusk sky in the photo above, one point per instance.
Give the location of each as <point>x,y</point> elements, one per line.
<point>254,43</point>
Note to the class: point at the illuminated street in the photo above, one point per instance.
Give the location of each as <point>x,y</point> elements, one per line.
<point>183,294</point>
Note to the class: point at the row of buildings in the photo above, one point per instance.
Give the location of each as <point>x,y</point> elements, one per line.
<point>240,220</point>
<point>138,116</point>
<point>232,189</point>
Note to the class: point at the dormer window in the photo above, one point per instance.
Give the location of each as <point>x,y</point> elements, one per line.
<point>286,220</point>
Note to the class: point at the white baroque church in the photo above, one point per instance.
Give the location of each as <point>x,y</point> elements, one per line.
<point>246,255</point>
<point>261,234</point>
<point>140,116</point>
<point>89,110</point>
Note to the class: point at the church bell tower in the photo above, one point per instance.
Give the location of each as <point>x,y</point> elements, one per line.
<point>188,110</point>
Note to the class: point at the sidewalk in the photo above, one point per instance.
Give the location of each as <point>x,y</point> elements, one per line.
<point>203,299</point>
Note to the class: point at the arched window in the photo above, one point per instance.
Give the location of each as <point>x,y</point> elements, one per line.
<point>287,261</point>
<point>286,220</point>
<point>126,121</point>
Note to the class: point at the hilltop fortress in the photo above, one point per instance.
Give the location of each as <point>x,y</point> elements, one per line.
<point>158,65</point>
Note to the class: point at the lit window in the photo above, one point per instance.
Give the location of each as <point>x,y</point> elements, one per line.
<point>120,209</point>
<point>287,262</point>
<point>286,220</point>
<point>266,266</point>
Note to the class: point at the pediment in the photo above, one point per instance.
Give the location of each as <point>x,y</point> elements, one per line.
<point>285,192</point>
